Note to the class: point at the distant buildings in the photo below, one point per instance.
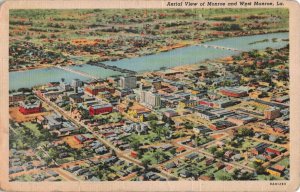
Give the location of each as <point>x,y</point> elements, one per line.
<point>128,82</point>
<point>16,97</point>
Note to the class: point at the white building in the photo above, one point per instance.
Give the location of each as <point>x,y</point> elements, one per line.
<point>150,98</point>
<point>128,82</point>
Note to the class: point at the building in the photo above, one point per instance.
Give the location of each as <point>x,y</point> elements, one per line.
<point>218,125</point>
<point>156,83</point>
<point>28,107</point>
<point>65,86</point>
<point>206,115</point>
<point>100,108</point>
<point>260,148</point>
<point>170,74</point>
<point>95,89</point>
<point>241,119</point>
<point>233,92</point>
<point>150,98</point>
<point>76,83</point>
<point>16,97</point>
<point>76,98</point>
<point>275,149</point>
<point>128,82</point>
<point>276,170</point>
<point>272,113</point>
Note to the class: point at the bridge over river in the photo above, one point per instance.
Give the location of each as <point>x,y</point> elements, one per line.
<point>219,47</point>
<point>112,67</point>
<point>77,72</point>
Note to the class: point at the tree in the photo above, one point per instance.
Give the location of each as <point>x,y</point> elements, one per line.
<point>219,153</point>
<point>72,27</point>
<point>212,150</point>
<point>146,162</point>
<point>152,117</point>
<point>245,132</point>
<point>134,144</point>
<point>247,71</point>
<point>258,167</point>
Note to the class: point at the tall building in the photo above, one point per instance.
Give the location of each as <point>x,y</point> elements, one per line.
<point>128,82</point>
<point>272,113</point>
<point>75,84</point>
<point>150,98</point>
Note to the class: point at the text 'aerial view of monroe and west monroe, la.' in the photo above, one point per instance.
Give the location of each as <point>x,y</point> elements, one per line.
<point>149,95</point>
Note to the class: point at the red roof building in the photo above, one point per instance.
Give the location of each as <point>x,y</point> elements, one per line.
<point>100,109</point>
<point>233,92</point>
<point>27,108</point>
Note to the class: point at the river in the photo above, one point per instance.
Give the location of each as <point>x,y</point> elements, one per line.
<point>181,56</point>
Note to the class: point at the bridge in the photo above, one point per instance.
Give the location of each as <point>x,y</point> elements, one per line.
<point>113,68</point>
<point>220,47</point>
<point>77,72</point>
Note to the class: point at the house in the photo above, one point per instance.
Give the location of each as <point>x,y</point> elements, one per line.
<point>133,154</point>
<point>81,171</point>
<point>236,157</point>
<point>229,169</point>
<point>276,170</point>
<point>209,162</point>
<point>185,173</point>
<point>275,149</point>
<point>80,138</point>
<point>191,156</point>
<point>220,165</point>
<point>228,154</point>
<point>101,150</point>
<point>149,175</point>
<point>15,170</point>
<point>52,173</point>
<point>73,168</point>
<point>30,107</point>
<point>260,158</point>
<point>260,148</point>
<point>170,165</point>
<point>205,178</point>
<point>180,149</point>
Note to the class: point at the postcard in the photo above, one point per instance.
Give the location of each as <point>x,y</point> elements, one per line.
<point>136,95</point>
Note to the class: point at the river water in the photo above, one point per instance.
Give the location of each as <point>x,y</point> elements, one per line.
<point>176,57</point>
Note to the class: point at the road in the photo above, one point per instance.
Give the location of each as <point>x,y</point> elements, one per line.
<point>118,152</point>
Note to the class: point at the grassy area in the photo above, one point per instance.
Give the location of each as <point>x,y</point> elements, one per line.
<point>33,127</point>
<point>284,162</point>
<point>222,175</point>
